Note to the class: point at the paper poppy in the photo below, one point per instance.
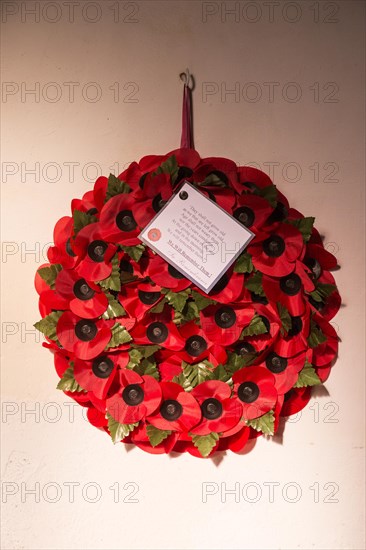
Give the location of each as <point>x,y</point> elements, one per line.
<point>136,397</point>
<point>179,411</point>
<point>85,338</point>
<point>255,388</point>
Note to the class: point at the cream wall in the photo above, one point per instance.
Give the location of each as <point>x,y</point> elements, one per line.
<point>309,55</point>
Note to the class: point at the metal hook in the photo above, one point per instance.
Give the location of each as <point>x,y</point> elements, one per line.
<point>188,79</point>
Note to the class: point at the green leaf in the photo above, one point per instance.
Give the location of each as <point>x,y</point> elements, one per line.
<point>316,336</point>
<point>177,299</point>
<point>269,193</point>
<point>49,274</point>
<point>201,301</point>
<point>264,424</point>
<point>192,375</point>
<point>307,377</point>
<point>205,443</point>
<point>285,318</point>
<point>214,179</point>
<point>119,431</point>
<point>119,336</point>
<point>159,306</point>
<point>146,351</point>
<point>191,311</point>
<point>82,219</point>
<point>134,252</point>
<point>169,166</point>
<point>236,362</point>
<point>114,309</point>
<point>220,373</point>
<point>155,435</point>
<point>48,324</point>
<point>146,366</point>
<point>255,327</point>
<point>244,264</point>
<point>68,382</point>
<point>322,291</point>
<point>116,187</point>
<point>113,282</point>
<point>254,284</point>
<point>304,225</point>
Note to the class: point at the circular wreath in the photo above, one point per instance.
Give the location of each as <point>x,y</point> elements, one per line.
<point>156,361</point>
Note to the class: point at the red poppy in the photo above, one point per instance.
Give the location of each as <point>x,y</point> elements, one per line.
<point>223,323</point>
<point>117,221</point>
<point>170,366</point>
<point>255,388</point>
<point>220,412</point>
<point>136,397</point>
<point>228,288</point>
<point>330,306</point>
<point>86,204</point>
<point>289,290</point>
<point>158,329</point>
<point>295,341</point>
<point>252,179</point>
<point>97,375</point>
<point>275,253</point>
<point>165,275</point>
<point>49,301</point>
<point>327,351</point>
<point>269,316</point>
<point>295,400</point>
<point>156,191</point>
<point>96,418</point>
<point>63,252</point>
<point>83,337</point>
<point>252,211</point>
<point>179,410</point>
<point>84,298</point>
<point>95,253</point>
<point>236,441</point>
<point>138,298</point>
<point>284,369</point>
<point>197,345</point>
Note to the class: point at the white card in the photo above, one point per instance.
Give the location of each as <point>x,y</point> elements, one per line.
<point>196,236</point>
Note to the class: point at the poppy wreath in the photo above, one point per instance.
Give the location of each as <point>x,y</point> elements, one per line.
<point>157,362</point>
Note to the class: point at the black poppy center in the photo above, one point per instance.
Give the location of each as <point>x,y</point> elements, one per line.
<point>133,394</point>
<point>82,290</point>
<point>96,250</point>
<point>274,246</point>
<point>258,299</point>
<point>68,248</point>
<point>171,409</point>
<point>315,267</point>
<point>125,221</point>
<point>296,326</point>
<point>279,213</point>
<point>211,408</point>
<point>157,332</point>
<point>102,367</point>
<point>183,172</point>
<point>275,363</point>
<point>291,284</point>
<point>173,272</point>
<point>125,266</point>
<point>148,298</point>
<point>243,348</point>
<point>85,330</point>
<point>158,203</point>
<point>245,216</point>
<point>248,392</point>
<point>225,317</point>
<point>195,345</point>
